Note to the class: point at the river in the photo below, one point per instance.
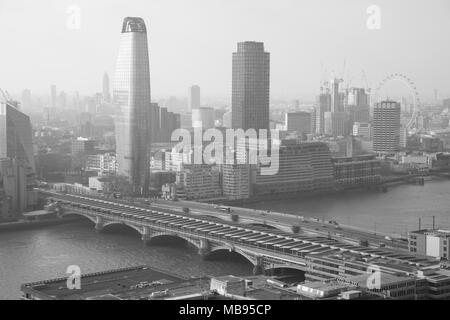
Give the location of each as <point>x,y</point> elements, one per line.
<point>45,253</point>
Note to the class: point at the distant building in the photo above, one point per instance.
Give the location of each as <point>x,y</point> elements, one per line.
<point>53,96</point>
<point>386,127</point>
<point>251,86</point>
<point>82,146</point>
<point>102,161</point>
<point>432,243</point>
<point>336,124</point>
<point>199,181</point>
<point>194,97</point>
<point>323,105</point>
<point>106,91</point>
<point>203,118</point>
<point>298,121</point>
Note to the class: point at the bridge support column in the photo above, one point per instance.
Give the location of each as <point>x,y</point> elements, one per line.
<point>204,248</point>
<point>146,235</point>
<point>99,223</point>
<point>259,267</point>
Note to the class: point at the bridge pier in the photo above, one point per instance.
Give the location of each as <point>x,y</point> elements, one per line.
<point>259,267</point>
<point>204,248</point>
<point>99,224</point>
<point>146,235</point>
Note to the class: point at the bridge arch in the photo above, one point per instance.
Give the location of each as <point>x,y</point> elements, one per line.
<point>174,235</point>
<point>112,223</point>
<point>247,256</point>
<point>75,213</point>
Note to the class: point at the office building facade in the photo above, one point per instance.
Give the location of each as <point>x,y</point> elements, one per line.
<point>251,86</point>
<point>386,127</point>
<point>132,98</point>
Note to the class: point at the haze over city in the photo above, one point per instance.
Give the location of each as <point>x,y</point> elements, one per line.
<point>192,41</point>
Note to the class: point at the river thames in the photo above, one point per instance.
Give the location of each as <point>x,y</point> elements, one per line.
<point>45,253</point>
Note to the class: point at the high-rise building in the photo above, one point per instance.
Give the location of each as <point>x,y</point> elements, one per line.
<point>337,101</point>
<point>194,97</point>
<point>16,135</point>
<point>323,105</point>
<point>335,124</point>
<point>203,118</point>
<point>53,96</point>
<point>132,97</point>
<point>251,86</point>
<point>106,92</point>
<point>386,127</point>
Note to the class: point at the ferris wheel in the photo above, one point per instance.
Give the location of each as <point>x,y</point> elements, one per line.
<point>413,91</point>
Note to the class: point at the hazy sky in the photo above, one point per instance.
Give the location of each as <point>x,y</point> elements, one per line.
<point>191,42</point>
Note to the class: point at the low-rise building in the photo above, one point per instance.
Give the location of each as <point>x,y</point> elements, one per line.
<point>433,243</point>
<point>357,171</point>
<point>199,181</point>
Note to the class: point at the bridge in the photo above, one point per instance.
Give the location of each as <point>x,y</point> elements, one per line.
<point>265,249</point>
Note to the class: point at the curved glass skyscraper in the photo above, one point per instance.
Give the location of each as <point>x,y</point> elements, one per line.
<point>131,92</point>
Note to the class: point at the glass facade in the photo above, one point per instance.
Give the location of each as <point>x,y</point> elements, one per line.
<point>132,99</point>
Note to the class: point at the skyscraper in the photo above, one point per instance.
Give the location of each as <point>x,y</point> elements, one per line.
<point>386,126</point>
<point>132,98</point>
<point>194,97</point>
<point>106,93</point>
<point>251,86</point>
<point>15,135</point>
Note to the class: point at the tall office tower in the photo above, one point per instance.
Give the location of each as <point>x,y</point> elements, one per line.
<point>106,93</point>
<point>386,127</point>
<point>194,97</point>
<point>62,99</point>
<point>251,86</point>
<point>16,135</point>
<point>155,125</point>
<point>53,96</point>
<point>337,103</point>
<point>323,105</point>
<point>132,98</point>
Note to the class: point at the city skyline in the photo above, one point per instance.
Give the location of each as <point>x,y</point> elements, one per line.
<point>55,50</point>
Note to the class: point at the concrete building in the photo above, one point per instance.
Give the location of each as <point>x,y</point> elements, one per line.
<point>363,170</point>
<point>363,130</point>
<point>132,98</point>
<point>386,127</point>
<point>251,86</point>
<point>16,188</point>
<point>236,181</point>
<point>82,146</point>
<point>199,181</point>
<point>299,122</point>
<point>103,162</point>
<point>432,243</point>
<point>303,168</point>
<point>53,96</point>
<point>203,118</point>
<point>194,97</point>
